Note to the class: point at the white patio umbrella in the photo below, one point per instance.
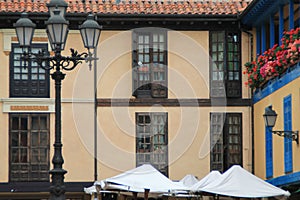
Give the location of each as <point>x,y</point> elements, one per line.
<point>209,178</point>
<point>141,179</point>
<point>238,182</point>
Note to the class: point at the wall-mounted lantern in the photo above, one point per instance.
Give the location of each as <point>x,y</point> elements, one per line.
<point>270,120</point>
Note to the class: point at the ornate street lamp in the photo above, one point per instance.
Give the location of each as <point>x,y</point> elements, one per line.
<point>270,117</point>
<point>90,32</point>
<point>57,31</point>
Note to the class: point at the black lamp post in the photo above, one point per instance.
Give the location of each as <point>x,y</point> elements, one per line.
<point>270,117</point>
<point>57,31</point>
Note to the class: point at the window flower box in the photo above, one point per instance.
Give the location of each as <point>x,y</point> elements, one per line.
<point>275,61</point>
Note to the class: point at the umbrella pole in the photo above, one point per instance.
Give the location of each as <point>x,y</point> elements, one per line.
<point>134,195</point>
<point>146,193</point>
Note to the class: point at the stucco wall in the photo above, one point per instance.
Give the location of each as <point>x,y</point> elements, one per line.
<point>276,100</point>
<point>188,78</point>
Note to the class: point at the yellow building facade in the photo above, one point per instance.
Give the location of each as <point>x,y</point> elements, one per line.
<point>171,97</point>
<point>275,149</point>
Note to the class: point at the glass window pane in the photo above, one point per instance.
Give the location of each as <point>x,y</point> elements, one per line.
<point>34,77</point>
<point>141,48</point>
<point>221,56</point>
<point>23,141</point>
<point>147,119</point>
<point>214,57</point>
<point>15,139</point>
<point>34,50</point>
<point>161,47</point>
<point>23,157</point>
<point>214,47</point>
<point>41,70</point>
<point>230,56</point>
<point>17,56</point>
<point>34,70</point>
<point>214,37</point>
<point>17,70</point>
<point>221,76</point>
<point>141,38</point>
<point>43,123</point>
<point>15,155</point>
<point>24,70</point>
<point>146,39</point>
<point>236,47</point>
<point>146,49</point>
<point>35,155</point>
<point>162,76</point>
<point>43,138</point>
<point>215,75</point>
<point>42,77</point>
<point>214,67</point>
<point>35,123</point>
<point>24,76</point>
<point>155,37</point>
<point>161,38</point>
<point>15,123</point>
<point>141,57</point>
<point>34,64</point>
<point>236,66</point>
<point>221,36</point>
<point>35,138</point>
<point>235,38</point>
<point>221,66</point>
<point>161,57</point>
<point>17,76</point>
<point>43,155</point>
<point>147,58</point>
<point>230,66</point>
<point>236,76</point>
<point>17,63</point>
<point>24,123</point>
<point>220,46</point>
<point>155,48</point>
<point>155,76</point>
<point>155,57</point>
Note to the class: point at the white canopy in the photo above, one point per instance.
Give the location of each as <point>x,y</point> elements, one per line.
<point>189,180</point>
<point>238,182</point>
<point>209,178</point>
<point>141,178</point>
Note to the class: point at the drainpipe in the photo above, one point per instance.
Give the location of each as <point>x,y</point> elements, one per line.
<point>95,116</point>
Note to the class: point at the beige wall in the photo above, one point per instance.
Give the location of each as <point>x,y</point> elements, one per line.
<point>188,64</point>
<point>188,137</point>
<point>276,100</point>
<point>246,57</point>
<point>188,77</point>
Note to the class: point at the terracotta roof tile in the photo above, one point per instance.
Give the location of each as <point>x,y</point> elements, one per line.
<point>184,7</point>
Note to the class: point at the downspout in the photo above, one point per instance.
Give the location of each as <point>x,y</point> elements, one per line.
<point>95,116</point>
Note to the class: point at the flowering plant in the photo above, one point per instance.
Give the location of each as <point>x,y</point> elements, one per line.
<point>275,60</point>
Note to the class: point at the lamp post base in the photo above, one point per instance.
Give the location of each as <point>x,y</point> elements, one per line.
<point>57,189</point>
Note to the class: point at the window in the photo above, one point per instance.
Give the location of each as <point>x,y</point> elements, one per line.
<point>288,147</point>
<point>152,140</point>
<point>29,81</point>
<point>226,140</point>
<point>29,147</point>
<point>150,64</point>
<point>225,65</point>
